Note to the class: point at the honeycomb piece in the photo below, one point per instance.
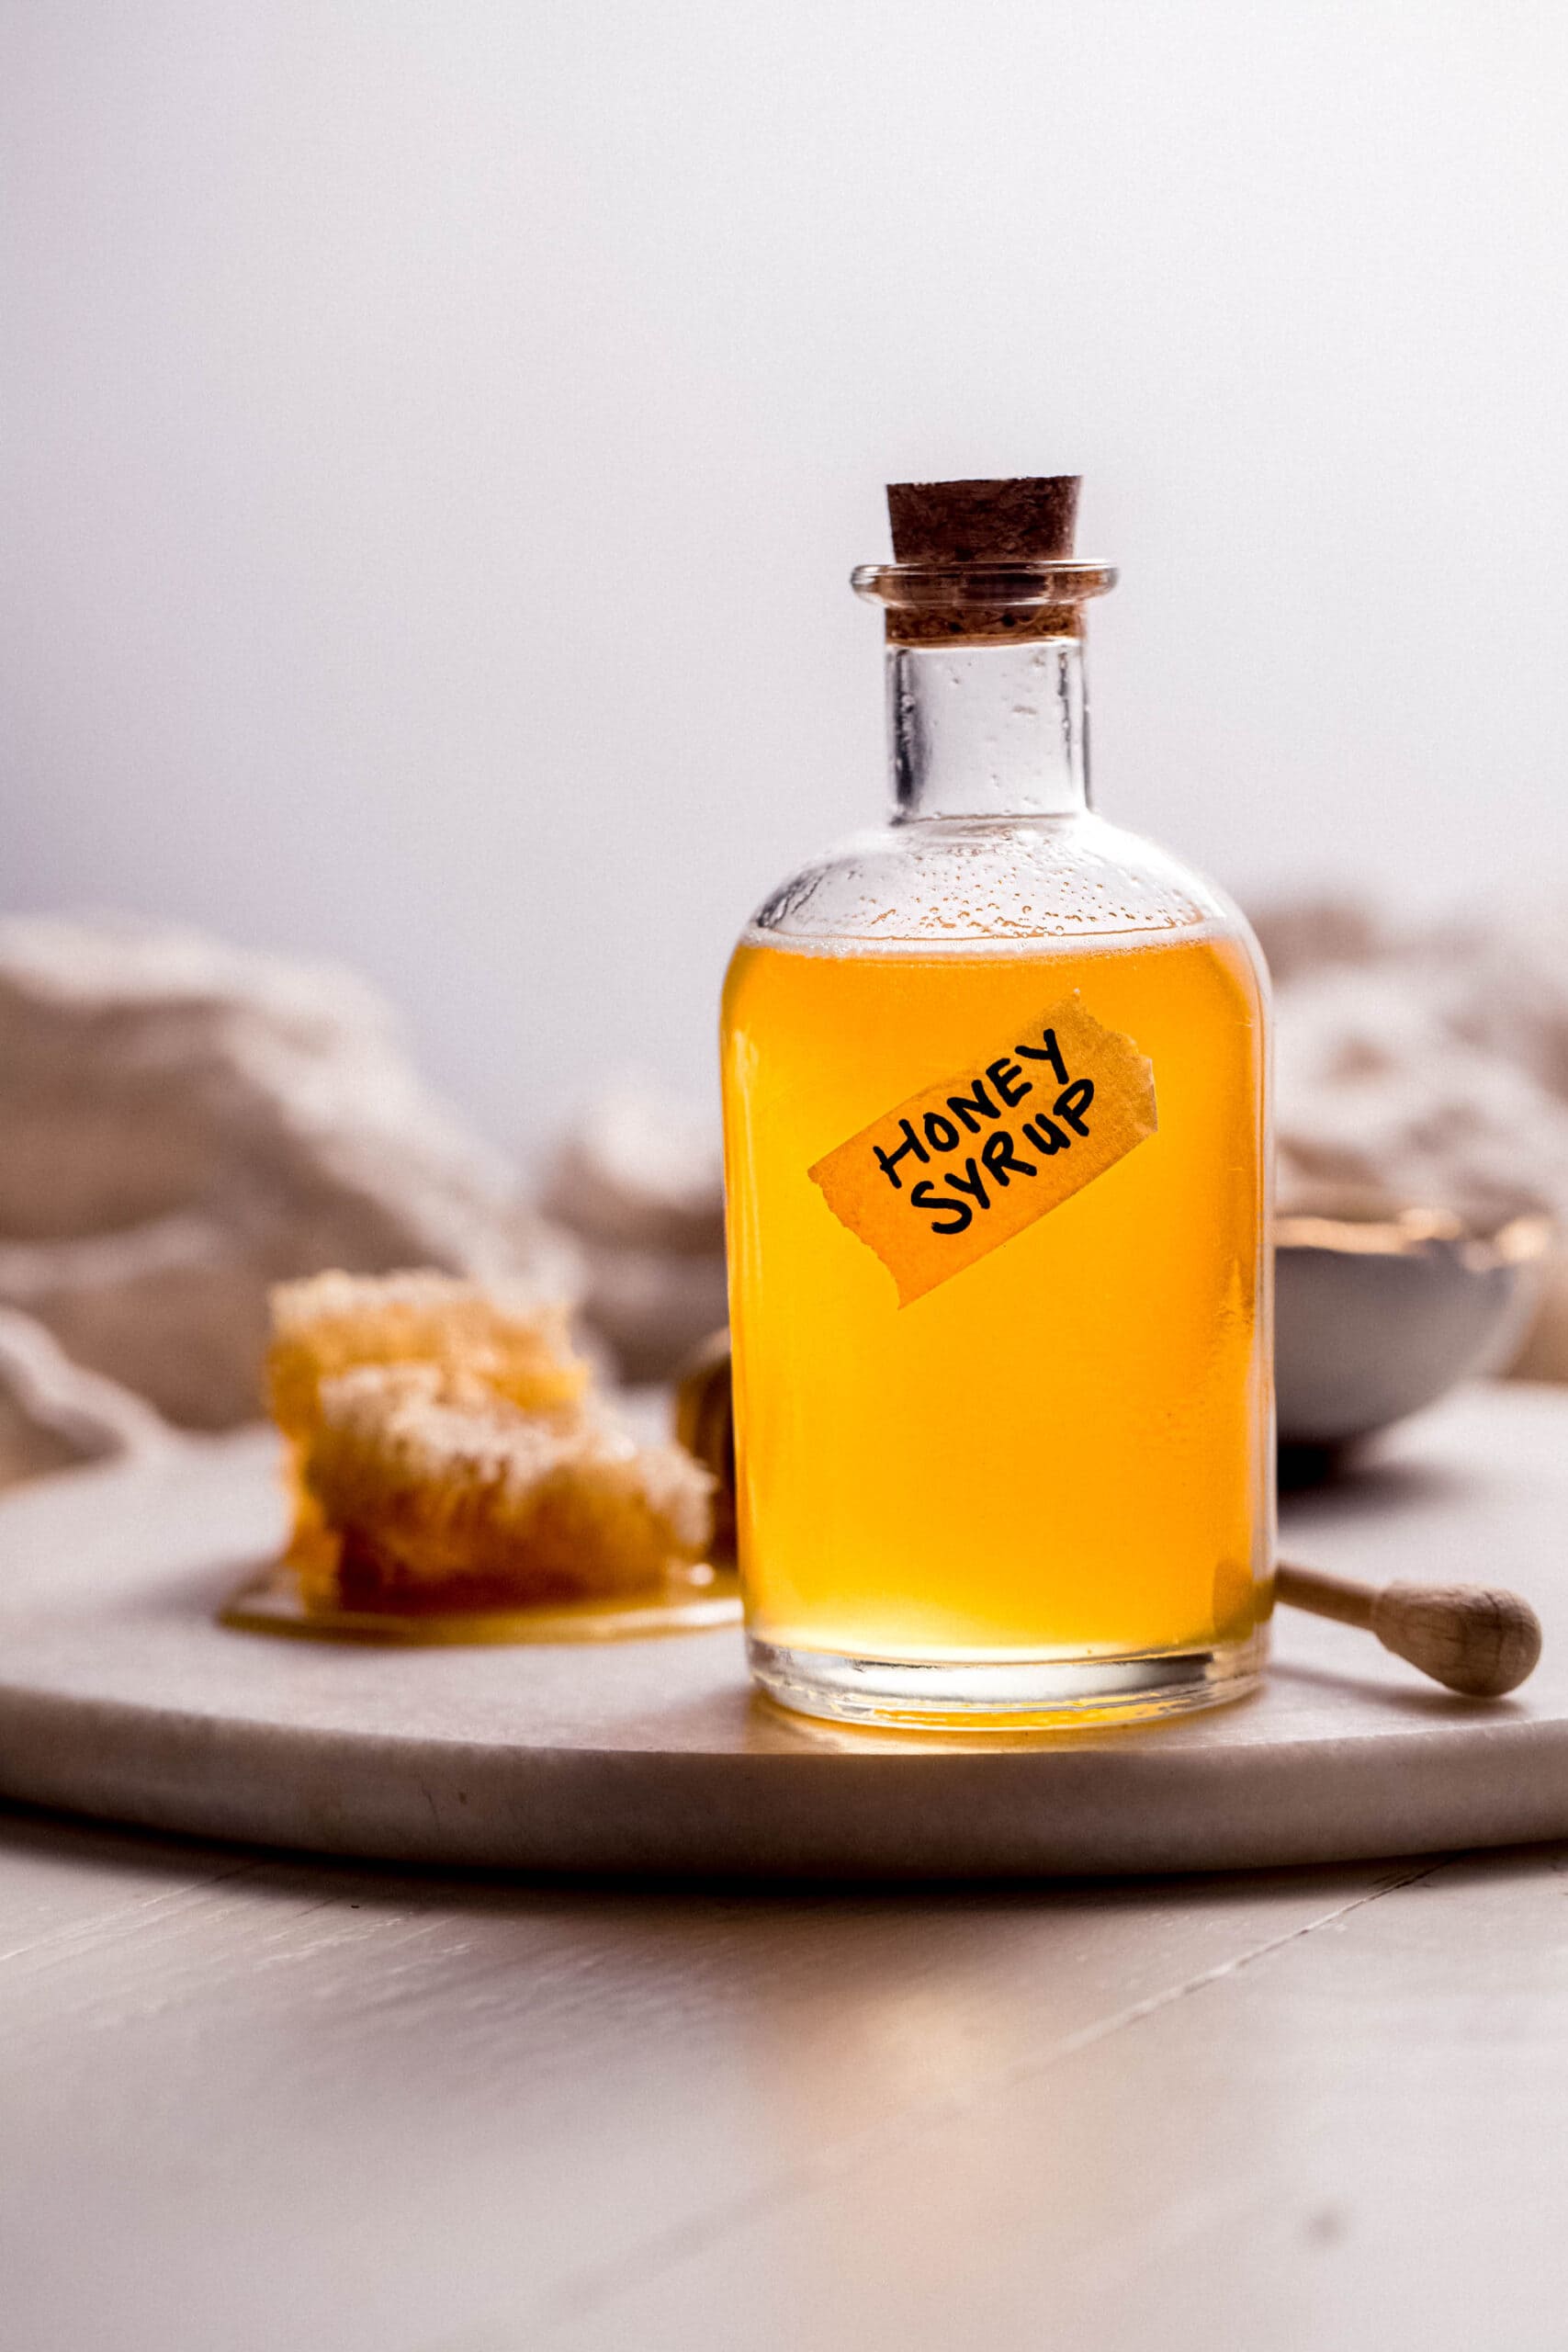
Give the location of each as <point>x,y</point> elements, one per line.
<point>444,1495</point>
<point>507,1334</point>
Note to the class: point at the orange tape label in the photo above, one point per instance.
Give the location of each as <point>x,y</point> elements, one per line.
<point>945,1177</point>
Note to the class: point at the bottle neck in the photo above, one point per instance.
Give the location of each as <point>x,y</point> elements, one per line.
<point>989,731</point>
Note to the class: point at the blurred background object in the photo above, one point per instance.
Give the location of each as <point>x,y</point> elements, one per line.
<point>638,1180</point>
<point>1423,1160</point>
<point>54,1414</point>
<point>182,1124</point>
<point>1426,1062</point>
<point>1422,1077</point>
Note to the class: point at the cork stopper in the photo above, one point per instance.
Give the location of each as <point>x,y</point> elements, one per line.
<point>978,562</point>
<point>1031,517</point>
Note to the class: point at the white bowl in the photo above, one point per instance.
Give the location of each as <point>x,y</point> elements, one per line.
<point>1378,1315</point>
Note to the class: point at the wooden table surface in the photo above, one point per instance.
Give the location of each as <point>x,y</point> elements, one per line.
<point>250,2102</point>
<point>253,2103</point>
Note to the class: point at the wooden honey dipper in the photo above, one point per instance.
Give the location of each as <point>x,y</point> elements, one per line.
<point>1477,1639</point>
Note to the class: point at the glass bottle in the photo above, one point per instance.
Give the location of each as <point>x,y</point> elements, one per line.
<point>1031,1483</point>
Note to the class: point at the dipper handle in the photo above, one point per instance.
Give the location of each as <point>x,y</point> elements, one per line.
<point>1478,1639</point>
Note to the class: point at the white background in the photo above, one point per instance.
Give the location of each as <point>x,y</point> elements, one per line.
<point>436,436</point>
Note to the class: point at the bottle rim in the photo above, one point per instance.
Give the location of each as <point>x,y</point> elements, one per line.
<point>1017,583</point>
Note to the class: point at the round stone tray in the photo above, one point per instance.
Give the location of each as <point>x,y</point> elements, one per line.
<point>122,1695</point>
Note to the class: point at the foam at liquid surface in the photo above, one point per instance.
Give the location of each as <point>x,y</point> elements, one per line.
<point>979,883</point>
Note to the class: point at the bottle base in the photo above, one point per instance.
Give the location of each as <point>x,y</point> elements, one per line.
<point>1006,1695</point>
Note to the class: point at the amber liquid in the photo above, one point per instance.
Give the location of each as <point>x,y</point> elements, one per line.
<point>1062,1451</point>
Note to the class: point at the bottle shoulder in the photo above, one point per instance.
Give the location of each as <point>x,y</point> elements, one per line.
<point>961,883</point>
